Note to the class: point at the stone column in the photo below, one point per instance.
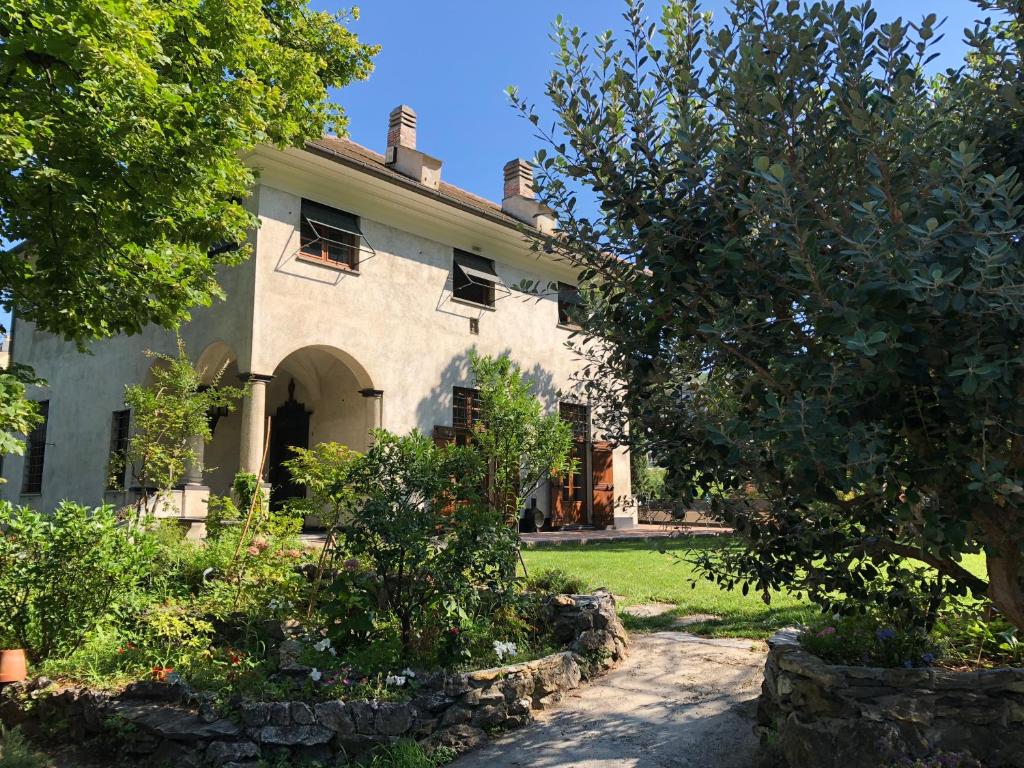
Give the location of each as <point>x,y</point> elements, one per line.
<point>194,470</point>
<point>253,423</point>
<point>374,411</point>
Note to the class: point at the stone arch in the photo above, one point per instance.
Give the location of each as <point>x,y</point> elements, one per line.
<point>215,359</point>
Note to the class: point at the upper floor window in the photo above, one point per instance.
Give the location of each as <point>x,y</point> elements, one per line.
<point>568,304</point>
<point>473,278</point>
<point>117,458</point>
<point>35,453</point>
<point>329,235</point>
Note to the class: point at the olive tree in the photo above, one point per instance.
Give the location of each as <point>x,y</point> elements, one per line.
<point>808,270</point>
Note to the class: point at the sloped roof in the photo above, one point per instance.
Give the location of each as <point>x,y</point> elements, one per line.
<point>357,156</point>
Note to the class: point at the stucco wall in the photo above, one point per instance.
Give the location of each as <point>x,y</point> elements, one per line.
<point>392,327</point>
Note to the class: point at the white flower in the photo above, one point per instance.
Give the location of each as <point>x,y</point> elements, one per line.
<point>323,645</point>
<point>408,672</point>
<point>504,648</point>
<point>315,675</point>
<point>396,680</point>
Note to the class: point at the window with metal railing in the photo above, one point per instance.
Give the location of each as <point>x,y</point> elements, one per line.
<point>35,453</point>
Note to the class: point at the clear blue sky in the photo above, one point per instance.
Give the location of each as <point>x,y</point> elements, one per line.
<point>451,61</point>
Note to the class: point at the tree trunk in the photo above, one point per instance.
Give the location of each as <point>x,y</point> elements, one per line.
<point>1005,564</point>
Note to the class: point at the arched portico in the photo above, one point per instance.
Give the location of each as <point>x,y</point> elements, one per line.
<point>316,394</point>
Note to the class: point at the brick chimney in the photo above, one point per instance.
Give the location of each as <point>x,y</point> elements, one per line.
<point>518,179</point>
<point>402,155</point>
<point>519,200</point>
<point>402,127</point>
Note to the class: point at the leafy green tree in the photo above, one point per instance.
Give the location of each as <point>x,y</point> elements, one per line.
<point>123,131</point>
<point>170,415</point>
<point>809,262</point>
<point>520,444</point>
<point>17,413</point>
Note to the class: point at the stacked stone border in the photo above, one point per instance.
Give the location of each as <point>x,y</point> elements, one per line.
<point>166,724</point>
<point>815,715</point>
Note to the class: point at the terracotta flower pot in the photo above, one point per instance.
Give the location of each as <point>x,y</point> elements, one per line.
<point>13,668</point>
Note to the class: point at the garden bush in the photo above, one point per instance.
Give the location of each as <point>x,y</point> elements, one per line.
<point>430,553</point>
<point>61,573</point>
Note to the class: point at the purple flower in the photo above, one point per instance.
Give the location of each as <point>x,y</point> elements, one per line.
<point>826,631</point>
<point>928,658</point>
<point>885,634</point>
<point>908,664</point>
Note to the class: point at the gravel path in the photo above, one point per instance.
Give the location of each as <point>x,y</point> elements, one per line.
<point>678,700</point>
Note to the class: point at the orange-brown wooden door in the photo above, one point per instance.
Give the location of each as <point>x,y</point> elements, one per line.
<point>603,509</point>
<point>569,492</point>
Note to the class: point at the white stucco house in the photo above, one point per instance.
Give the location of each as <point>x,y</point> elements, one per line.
<point>370,280</point>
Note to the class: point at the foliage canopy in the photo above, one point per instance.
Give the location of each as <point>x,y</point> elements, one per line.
<point>123,129</point>
<point>809,274</point>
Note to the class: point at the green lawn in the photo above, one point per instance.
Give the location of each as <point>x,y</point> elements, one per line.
<point>640,573</point>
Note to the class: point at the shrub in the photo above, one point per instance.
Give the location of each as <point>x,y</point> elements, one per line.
<point>60,573</point>
<point>409,754</point>
<point>429,561</point>
<point>864,641</point>
<point>555,581</point>
<point>16,752</point>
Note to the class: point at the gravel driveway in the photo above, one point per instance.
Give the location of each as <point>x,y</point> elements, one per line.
<point>678,700</point>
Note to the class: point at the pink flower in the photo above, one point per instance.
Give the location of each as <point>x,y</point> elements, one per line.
<point>260,543</point>
<point>351,565</point>
<point>253,550</point>
<point>825,632</point>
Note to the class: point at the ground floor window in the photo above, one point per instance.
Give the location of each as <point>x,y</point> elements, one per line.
<point>35,453</point>
<point>117,458</point>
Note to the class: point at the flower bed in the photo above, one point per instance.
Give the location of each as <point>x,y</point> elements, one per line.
<point>816,715</point>
<point>169,722</point>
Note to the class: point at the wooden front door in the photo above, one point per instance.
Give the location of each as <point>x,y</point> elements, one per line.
<point>288,428</point>
<point>604,485</point>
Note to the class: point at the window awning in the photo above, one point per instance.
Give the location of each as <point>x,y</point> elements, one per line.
<point>483,278</point>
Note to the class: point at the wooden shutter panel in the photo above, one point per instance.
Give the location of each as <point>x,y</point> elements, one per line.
<point>444,436</point>
<point>603,484</point>
<point>557,503</point>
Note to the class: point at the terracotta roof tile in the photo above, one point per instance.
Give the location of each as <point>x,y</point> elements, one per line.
<point>350,153</point>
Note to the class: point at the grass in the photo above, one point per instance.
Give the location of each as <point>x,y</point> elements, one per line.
<point>652,571</point>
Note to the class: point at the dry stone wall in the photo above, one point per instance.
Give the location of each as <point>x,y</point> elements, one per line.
<point>815,715</point>
<point>167,723</point>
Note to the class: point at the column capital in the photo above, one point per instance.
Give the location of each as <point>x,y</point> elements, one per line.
<point>247,377</point>
<point>371,392</point>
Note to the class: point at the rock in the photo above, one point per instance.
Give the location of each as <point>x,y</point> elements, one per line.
<point>363,716</point>
<point>294,735</point>
<point>220,753</point>
<point>153,689</point>
<point>393,718</point>
<point>461,738</point>
<point>490,715</point>
<point>173,722</point>
<point>254,713</point>
<point>476,698</point>
<point>178,755</point>
<point>301,713</point>
<point>335,715</point>
<point>288,653</point>
<point>435,702</point>
<point>457,715</point>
